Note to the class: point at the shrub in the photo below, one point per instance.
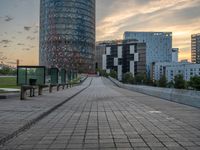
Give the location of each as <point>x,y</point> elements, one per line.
<point>179,82</point>
<point>140,78</point>
<point>103,73</point>
<point>128,78</point>
<point>162,82</point>
<point>195,82</point>
<point>113,74</point>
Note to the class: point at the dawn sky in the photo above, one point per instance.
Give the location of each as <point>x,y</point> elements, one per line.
<point>19,24</point>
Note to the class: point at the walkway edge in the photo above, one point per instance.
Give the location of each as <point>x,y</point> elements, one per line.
<point>189,98</point>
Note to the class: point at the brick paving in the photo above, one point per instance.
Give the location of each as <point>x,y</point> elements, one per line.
<point>109,118</point>
<point>15,113</point>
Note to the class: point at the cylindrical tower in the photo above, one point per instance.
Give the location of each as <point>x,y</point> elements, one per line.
<point>67,34</point>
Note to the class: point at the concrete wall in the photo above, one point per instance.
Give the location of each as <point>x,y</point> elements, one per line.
<point>187,97</point>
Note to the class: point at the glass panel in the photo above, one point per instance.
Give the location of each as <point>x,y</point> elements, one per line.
<point>63,76</point>
<point>31,76</point>
<point>21,77</point>
<point>54,76</point>
<point>69,76</point>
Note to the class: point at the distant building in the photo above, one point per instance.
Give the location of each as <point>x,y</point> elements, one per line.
<point>170,70</point>
<point>175,52</point>
<point>195,46</point>
<point>101,50</point>
<point>125,57</point>
<point>67,34</point>
<point>159,69</point>
<point>158,46</point>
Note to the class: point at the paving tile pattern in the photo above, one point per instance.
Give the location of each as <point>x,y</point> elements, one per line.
<point>107,118</point>
<point>15,113</point>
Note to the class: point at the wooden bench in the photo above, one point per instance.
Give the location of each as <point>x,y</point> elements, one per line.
<point>24,88</point>
<point>63,86</point>
<point>58,86</point>
<point>40,88</point>
<point>51,87</point>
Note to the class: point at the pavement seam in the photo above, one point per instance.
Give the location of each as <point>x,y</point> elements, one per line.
<point>30,123</point>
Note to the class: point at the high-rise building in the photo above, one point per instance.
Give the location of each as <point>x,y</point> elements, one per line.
<point>67,34</point>
<point>158,46</point>
<point>99,51</point>
<point>175,52</point>
<point>195,46</point>
<point>125,57</point>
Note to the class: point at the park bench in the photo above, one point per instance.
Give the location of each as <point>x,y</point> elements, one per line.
<point>40,88</point>
<point>62,85</point>
<point>51,87</point>
<point>24,88</point>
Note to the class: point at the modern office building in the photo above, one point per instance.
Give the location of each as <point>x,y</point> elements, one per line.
<point>67,34</point>
<point>158,46</point>
<point>101,50</point>
<point>175,52</point>
<point>170,70</point>
<point>195,47</point>
<point>125,57</point>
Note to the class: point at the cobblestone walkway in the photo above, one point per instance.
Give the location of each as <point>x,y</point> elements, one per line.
<point>106,117</point>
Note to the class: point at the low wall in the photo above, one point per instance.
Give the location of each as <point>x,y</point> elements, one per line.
<point>187,97</point>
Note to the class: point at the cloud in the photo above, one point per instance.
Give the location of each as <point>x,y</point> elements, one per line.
<point>36,31</point>
<point>11,62</point>
<point>27,28</point>
<point>5,41</point>
<point>32,47</point>
<point>2,57</point>
<point>30,38</point>
<point>20,44</point>
<point>8,18</point>
<point>26,49</point>
<point>142,2</point>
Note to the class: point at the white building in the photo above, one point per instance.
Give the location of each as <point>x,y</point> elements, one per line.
<point>125,57</point>
<point>170,70</point>
<point>158,46</point>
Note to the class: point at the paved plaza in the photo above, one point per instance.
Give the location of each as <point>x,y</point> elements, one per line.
<point>102,116</point>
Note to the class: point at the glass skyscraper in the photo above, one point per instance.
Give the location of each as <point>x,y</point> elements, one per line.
<point>67,34</point>
<point>158,46</point>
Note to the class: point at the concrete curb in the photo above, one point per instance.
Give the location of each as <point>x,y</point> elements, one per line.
<point>186,97</point>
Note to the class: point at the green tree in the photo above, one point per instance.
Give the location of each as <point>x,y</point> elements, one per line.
<point>170,84</point>
<point>179,82</point>
<point>103,73</point>
<point>6,70</point>
<point>113,74</point>
<point>140,78</point>
<point>163,81</point>
<point>128,78</point>
<point>195,82</point>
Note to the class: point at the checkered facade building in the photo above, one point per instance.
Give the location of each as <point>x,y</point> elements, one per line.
<point>125,57</point>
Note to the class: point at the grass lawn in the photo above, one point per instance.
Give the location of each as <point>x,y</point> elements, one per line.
<point>8,82</point>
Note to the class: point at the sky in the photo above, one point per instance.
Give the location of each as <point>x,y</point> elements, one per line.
<point>19,24</point>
